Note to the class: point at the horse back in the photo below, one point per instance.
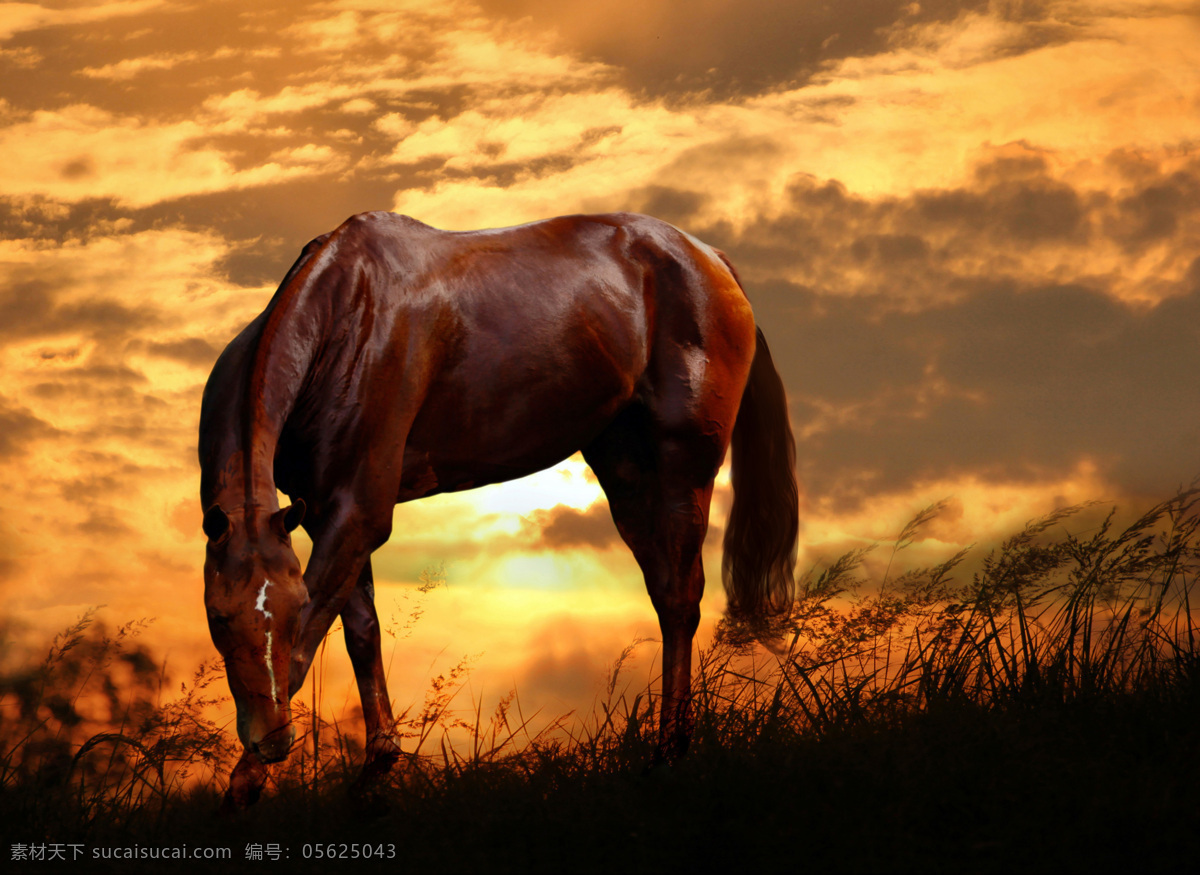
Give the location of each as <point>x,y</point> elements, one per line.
<point>455,359</point>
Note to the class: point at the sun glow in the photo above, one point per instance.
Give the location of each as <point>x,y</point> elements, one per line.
<point>569,483</point>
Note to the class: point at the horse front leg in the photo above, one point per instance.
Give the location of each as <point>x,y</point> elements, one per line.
<point>246,783</point>
<point>360,624</point>
<point>678,622</point>
<point>340,552</point>
<point>340,582</point>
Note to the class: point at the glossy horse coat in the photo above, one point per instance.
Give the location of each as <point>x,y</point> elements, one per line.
<point>398,361</point>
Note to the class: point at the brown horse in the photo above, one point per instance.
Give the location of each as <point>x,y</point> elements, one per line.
<point>397,361</point>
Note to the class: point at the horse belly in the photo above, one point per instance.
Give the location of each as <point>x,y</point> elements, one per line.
<point>512,420</point>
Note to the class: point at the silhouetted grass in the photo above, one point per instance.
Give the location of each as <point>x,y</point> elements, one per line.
<point>1041,712</point>
<point>87,739</point>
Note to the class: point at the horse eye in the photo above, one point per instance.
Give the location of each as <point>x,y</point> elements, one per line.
<point>218,619</point>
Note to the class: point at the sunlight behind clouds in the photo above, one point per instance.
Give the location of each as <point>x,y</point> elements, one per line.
<point>569,483</point>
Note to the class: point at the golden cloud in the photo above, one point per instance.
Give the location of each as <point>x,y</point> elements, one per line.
<point>83,152</point>
<point>18,17</point>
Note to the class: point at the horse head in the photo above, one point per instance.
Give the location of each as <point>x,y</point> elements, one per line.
<point>254,593</point>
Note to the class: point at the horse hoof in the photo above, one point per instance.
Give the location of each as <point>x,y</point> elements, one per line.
<point>367,794</point>
<point>234,805</point>
<point>367,800</point>
<point>246,783</point>
<point>383,750</point>
<point>666,756</point>
<point>657,764</point>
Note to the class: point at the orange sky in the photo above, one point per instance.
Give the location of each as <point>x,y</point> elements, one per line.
<point>970,230</point>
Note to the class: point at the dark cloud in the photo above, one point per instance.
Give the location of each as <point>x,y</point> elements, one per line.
<point>25,301</point>
<point>564,526</point>
<point>1153,212</point>
<point>103,525</point>
<point>47,220</point>
<point>670,204</point>
<point>165,63</point>
<point>190,47</point>
<point>30,308</point>
<point>666,46</point>
<point>938,243</point>
<point>162,66</point>
<point>90,489</point>
<point>920,339</point>
<point>18,428</point>
<point>1034,210</point>
<point>112,477</point>
<point>106,318</point>
<point>96,496</point>
<point>189,350</point>
<point>1013,384</point>
<point>889,248</point>
<point>116,379</point>
<point>741,47</point>
<point>118,410</point>
<point>268,226</point>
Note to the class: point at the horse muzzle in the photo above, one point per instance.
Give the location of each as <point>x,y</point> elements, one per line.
<point>275,745</point>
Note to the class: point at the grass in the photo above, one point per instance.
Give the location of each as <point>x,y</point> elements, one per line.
<point>1040,712</point>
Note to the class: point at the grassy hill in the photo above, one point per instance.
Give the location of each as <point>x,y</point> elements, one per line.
<point>1041,713</point>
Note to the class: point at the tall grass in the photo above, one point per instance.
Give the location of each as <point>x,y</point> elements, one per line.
<point>88,734</point>
<point>943,716</point>
<point>1050,618</point>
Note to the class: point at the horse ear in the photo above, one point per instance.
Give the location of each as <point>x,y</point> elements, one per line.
<point>293,516</point>
<point>216,523</point>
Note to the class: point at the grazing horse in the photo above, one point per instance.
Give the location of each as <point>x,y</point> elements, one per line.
<point>397,361</point>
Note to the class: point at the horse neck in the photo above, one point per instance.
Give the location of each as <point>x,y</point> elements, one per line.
<point>238,463</point>
<point>254,388</point>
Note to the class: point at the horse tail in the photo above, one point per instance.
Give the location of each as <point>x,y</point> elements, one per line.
<point>758,568</point>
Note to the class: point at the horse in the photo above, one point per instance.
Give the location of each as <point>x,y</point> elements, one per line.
<point>397,361</point>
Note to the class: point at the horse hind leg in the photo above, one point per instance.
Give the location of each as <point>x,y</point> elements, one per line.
<point>659,490</point>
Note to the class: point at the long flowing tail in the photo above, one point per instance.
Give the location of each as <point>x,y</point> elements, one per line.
<point>758,568</point>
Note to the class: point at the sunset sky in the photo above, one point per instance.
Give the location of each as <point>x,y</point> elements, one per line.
<point>970,232</point>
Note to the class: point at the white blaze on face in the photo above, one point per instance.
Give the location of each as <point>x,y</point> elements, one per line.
<point>261,606</point>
